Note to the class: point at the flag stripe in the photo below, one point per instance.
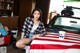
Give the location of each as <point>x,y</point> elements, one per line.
<point>51,42</point>
<point>51,46</point>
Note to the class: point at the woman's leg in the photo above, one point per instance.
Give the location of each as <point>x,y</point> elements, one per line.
<point>22,42</point>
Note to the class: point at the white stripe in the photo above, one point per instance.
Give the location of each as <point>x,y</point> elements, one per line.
<point>55,51</point>
<point>51,42</point>
<point>46,51</point>
<point>71,37</point>
<point>58,39</point>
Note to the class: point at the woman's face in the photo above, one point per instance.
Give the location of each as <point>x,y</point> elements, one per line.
<point>36,15</point>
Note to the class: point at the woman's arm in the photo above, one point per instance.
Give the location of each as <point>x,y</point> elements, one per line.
<point>22,35</point>
<point>24,29</point>
<point>43,30</point>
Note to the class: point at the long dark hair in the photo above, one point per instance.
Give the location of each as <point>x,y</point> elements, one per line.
<point>37,9</point>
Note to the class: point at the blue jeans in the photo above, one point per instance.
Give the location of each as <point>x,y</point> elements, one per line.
<point>31,35</point>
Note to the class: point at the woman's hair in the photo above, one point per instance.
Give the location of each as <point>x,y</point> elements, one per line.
<point>37,9</point>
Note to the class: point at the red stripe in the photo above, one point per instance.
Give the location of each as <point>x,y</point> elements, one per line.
<point>51,46</point>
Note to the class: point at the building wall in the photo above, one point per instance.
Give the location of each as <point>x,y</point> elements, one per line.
<point>25,7</point>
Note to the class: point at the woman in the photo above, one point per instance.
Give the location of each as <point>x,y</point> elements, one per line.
<point>32,28</point>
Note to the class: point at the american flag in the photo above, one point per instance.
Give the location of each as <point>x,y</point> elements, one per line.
<point>51,43</point>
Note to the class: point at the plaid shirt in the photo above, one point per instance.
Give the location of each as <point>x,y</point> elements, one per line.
<point>28,24</point>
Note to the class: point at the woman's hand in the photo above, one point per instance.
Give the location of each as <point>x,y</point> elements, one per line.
<point>35,36</point>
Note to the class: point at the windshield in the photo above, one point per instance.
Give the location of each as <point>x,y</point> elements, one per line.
<point>66,21</point>
<point>70,24</point>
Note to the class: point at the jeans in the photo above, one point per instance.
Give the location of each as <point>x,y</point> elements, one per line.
<point>31,35</point>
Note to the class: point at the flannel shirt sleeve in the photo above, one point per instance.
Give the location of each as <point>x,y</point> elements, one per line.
<point>43,30</point>
<point>24,29</point>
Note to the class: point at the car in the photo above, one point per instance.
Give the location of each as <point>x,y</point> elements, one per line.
<point>63,23</point>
